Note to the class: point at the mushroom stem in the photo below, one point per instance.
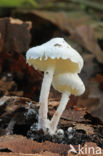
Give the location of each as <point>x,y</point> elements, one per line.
<point>56,117</point>
<point>45,88</point>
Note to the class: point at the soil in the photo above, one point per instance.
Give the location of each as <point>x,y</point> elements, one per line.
<point>69,135</point>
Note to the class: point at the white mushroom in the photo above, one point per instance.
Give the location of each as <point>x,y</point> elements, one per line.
<point>67,84</point>
<point>60,133</point>
<point>55,56</point>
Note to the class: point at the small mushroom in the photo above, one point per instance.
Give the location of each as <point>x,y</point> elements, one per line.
<point>53,57</point>
<point>60,133</point>
<point>67,84</point>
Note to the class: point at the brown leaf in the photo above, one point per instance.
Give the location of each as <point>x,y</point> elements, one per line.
<point>53,103</point>
<point>9,87</point>
<point>48,154</point>
<point>65,21</point>
<point>85,36</point>
<point>95,92</point>
<point>12,112</point>
<point>89,103</point>
<point>23,74</point>
<point>14,35</point>
<point>18,154</point>
<point>86,127</point>
<point>13,102</point>
<point>73,115</point>
<point>20,144</point>
<point>22,154</point>
<point>90,68</point>
<point>99,79</point>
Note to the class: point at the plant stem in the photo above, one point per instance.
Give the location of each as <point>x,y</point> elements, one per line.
<point>43,110</point>
<point>56,117</point>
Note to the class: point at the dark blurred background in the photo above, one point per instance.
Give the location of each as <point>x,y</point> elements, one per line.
<point>27,23</point>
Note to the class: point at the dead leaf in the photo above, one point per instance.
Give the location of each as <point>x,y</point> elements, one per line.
<point>8,87</point>
<point>12,103</point>
<point>12,112</point>
<point>20,144</point>
<point>90,68</point>
<point>18,154</point>
<point>15,36</point>
<point>53,103</point>
<point>85,36</point>
<point>23,74</point>
<point>65,21</point>
<point>99,79</point>
<point>89,103</point>
<point>95,92</point>
<point>86,127</point>
<point>4,99</point>
<point>22,154</point>
<point>73,115</point>
<point>49,154</point>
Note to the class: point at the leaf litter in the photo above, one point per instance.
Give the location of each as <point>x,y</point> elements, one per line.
<point>20,122</point>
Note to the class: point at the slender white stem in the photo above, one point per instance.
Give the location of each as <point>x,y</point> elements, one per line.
<point>56,117</point>
<point>43,110</point>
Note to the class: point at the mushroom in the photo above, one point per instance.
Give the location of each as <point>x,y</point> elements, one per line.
<point>53,57</point>
<point>67,84</point>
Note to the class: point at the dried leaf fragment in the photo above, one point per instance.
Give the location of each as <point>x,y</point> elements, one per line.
<point>20,144</point>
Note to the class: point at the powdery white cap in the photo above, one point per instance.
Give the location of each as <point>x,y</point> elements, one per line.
<point>56,52</point>
<point>68,82</point>
<point>60,131</point>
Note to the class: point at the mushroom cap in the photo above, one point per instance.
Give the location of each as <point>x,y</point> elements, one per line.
<point>56,52</point>
<point>68,82</point>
